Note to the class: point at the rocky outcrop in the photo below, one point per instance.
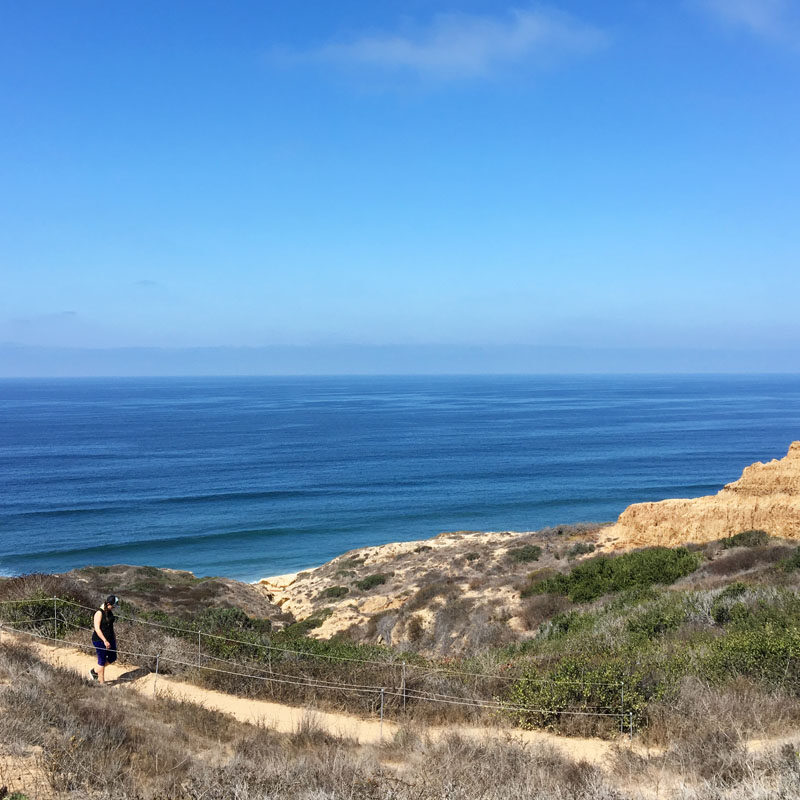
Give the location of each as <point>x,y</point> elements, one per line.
<point>766,497</point>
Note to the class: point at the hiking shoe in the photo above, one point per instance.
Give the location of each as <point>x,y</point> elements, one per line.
<point>93,675</point>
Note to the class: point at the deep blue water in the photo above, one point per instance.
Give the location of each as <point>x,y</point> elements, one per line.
<point>247,477</point>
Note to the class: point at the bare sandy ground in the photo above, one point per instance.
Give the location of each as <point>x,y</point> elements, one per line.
<point>23,774</point>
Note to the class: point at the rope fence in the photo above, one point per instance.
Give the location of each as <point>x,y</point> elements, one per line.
<point>329,656</point>
<point>250,671</point>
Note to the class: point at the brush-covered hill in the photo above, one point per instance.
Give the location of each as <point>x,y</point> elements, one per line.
<point>175,592</point>
<point>455,593</point>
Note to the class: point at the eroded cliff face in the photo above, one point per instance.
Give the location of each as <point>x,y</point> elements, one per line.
<point>766,497</point>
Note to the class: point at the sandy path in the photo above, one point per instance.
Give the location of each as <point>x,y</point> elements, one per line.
<point>287,719</point>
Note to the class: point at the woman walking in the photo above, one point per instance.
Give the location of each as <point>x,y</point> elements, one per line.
<point>103,638</point>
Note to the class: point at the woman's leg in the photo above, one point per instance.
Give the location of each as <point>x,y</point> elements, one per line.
<point>102,660</point>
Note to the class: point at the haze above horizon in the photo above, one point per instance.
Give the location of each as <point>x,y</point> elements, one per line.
<point>442,181</point>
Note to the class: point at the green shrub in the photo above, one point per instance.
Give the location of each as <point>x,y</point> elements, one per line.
<point>302,627</point>
<point>345,573</point>
<point>472,555</point>
<point>423,548</point>
<point>723,610</point>
<point>580,549</point>
<point>655,621</point>
<point>333,592</point>
<point>770,654</point>
<point>606,574</point>
<point>579,683</point>
<point>755,538</point>
<point>793,562</point>
<point>365,584</point>
<point>226,620</point>
<point>632,597</point>
<point>524,554</point>
<point>151,572</point>
<point>569,622</point>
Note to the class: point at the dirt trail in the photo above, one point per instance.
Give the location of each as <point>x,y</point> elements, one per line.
<point>287,719</point>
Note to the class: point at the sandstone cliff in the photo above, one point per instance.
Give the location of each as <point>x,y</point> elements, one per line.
<point>766,497</point>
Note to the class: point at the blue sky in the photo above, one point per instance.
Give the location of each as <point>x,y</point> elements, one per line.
<point>580,174</point>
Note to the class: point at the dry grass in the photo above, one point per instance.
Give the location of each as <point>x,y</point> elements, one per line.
<point>540,608</point>
<point>737,711</point>
<point>100,743</point>
<point>85,741</point>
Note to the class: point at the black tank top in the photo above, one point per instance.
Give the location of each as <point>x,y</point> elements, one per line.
<point>107,624</point>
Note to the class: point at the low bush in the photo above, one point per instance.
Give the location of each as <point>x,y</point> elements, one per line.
<point>747,558</point>
<point>605,574</point>
<point>754,538</point>
<point>724,608</point>
<point>425,594</point>
<point>371,581</point>
<point>345,573</point>
<point>580,549</point>
<point>333,592</point>
<point>568,622</point>
<point>227,620</point>
<point>540,608</point>
<point>580,683</point>
<point>655,621</point>
<point>770,654</point>
<point>472,555</point>
<point>792,562</point>
<point>415,629</point>
<point>525,554</point>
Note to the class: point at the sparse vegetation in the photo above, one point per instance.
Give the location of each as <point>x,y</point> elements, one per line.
<point>580,549</point>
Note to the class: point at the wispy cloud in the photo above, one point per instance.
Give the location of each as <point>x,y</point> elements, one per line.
<point>778,20</point>
<point>459,46</point>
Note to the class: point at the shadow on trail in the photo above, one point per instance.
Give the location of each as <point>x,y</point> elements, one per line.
<point>130,676</point>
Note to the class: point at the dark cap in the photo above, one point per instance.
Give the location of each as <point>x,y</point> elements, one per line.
<point>112,600</point>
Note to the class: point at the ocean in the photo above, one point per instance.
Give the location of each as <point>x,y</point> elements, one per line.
<point>248,477</point>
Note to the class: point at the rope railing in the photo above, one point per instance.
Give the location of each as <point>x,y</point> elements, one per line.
<point>382,691</point>
<point>250,671</point>
<point>424,670</point>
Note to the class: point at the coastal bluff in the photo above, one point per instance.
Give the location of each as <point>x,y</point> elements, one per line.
<point>766,497</point>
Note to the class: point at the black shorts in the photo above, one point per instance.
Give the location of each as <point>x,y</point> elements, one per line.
<point>105,655</point>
